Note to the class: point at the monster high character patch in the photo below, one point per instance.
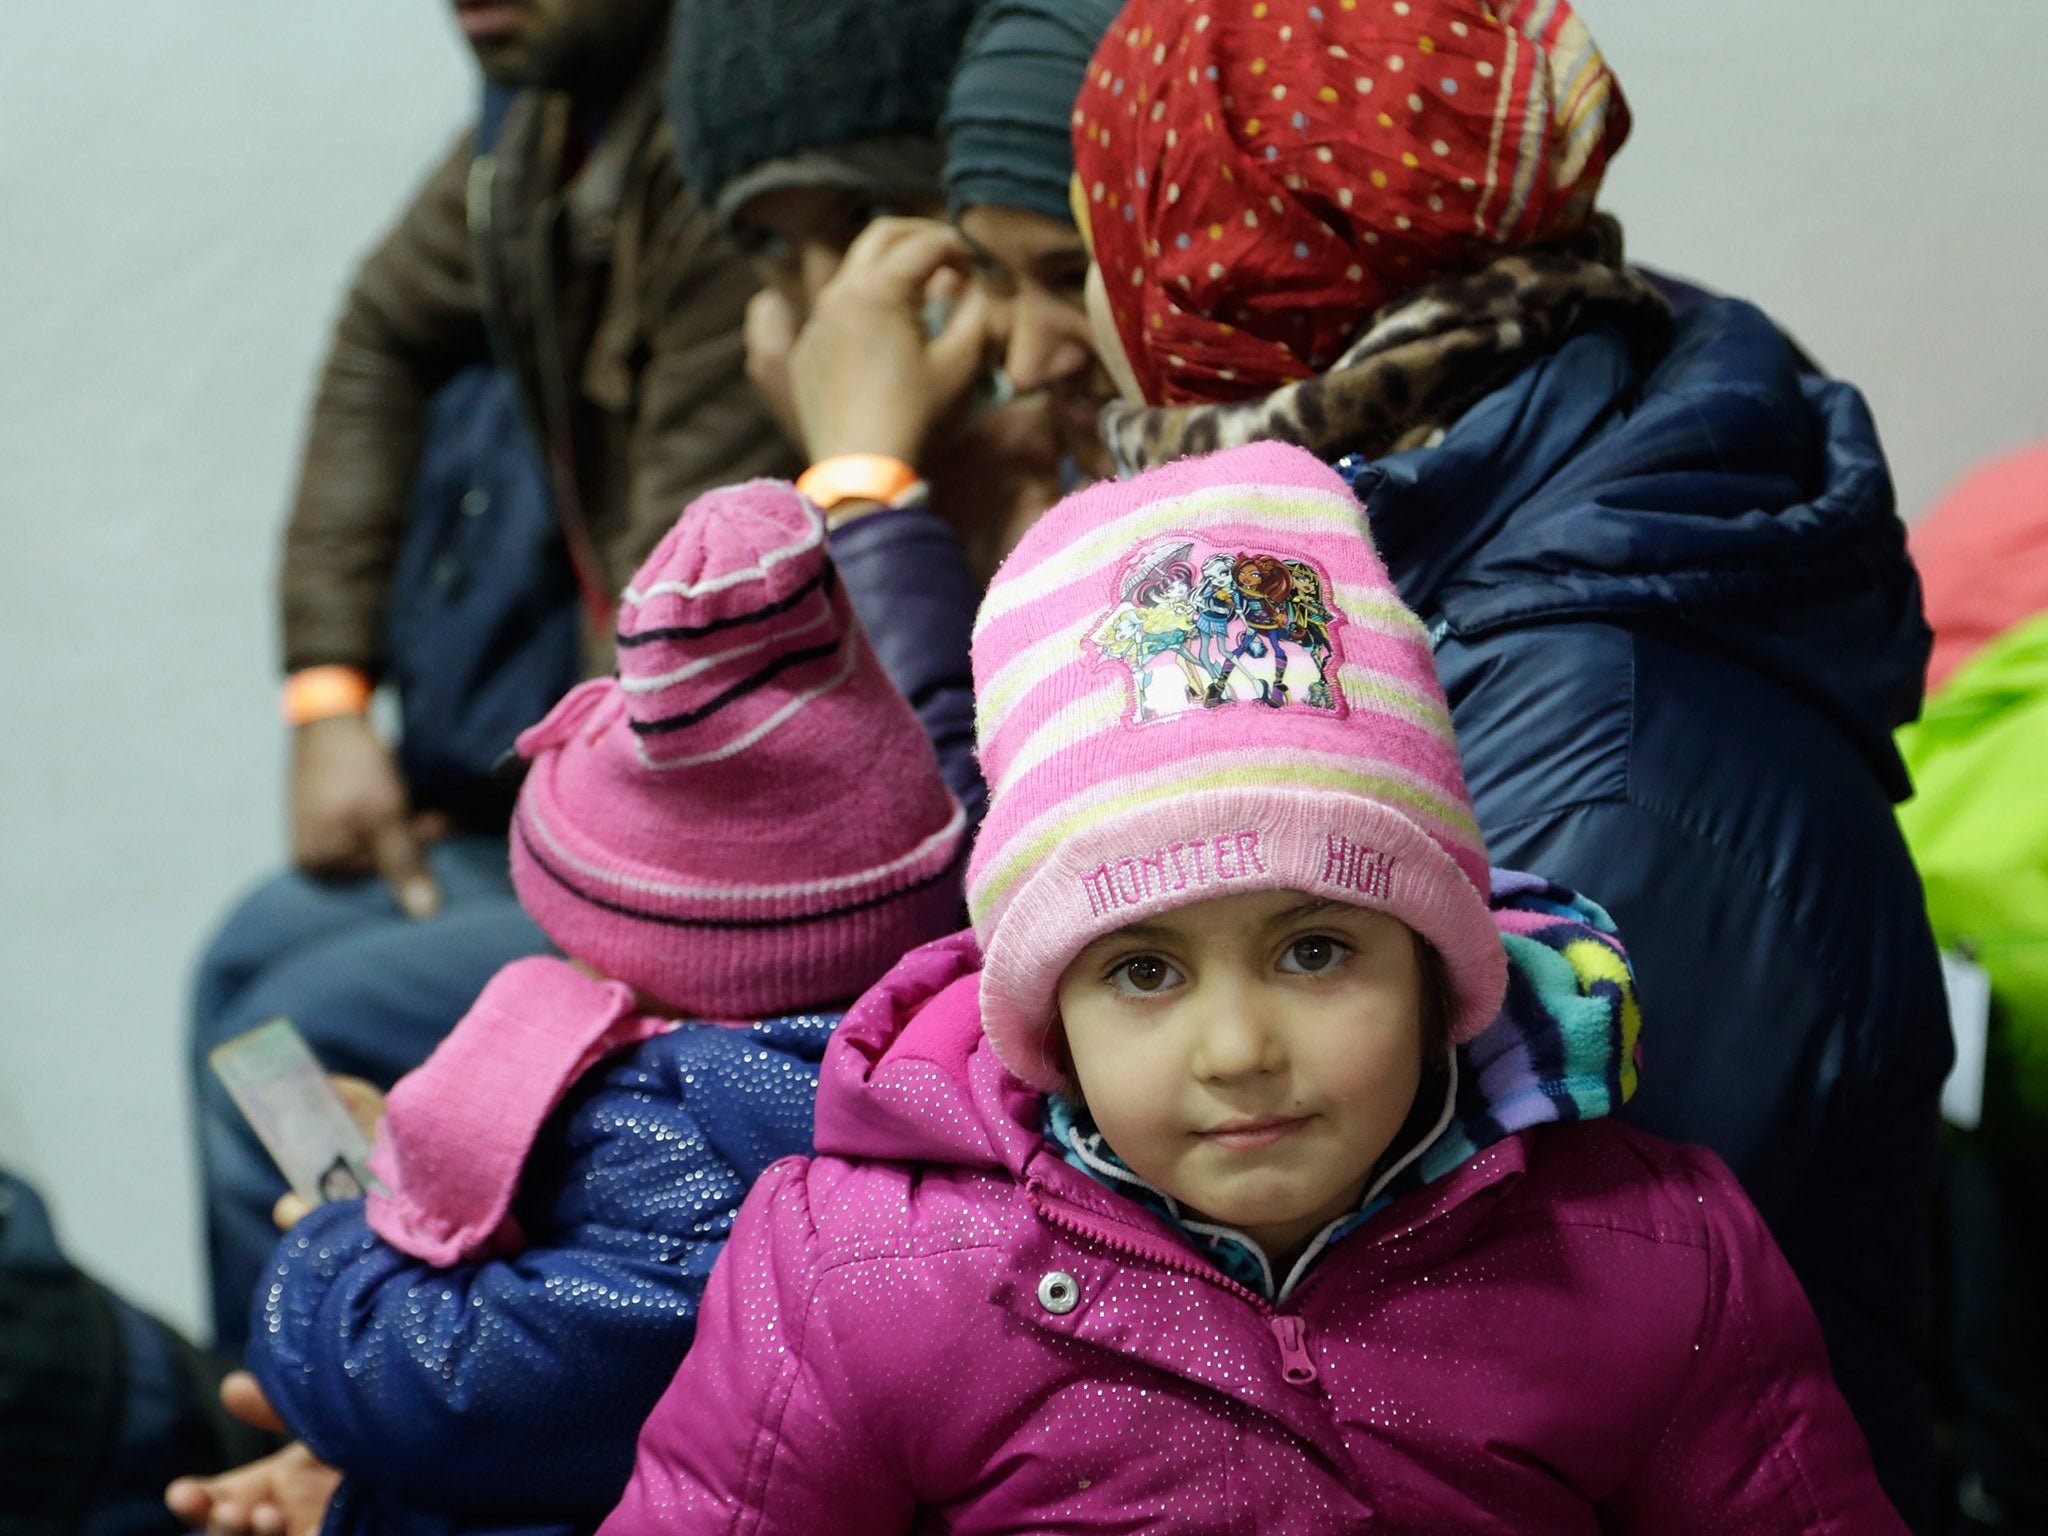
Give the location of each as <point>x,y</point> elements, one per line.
<point>1200,626</point>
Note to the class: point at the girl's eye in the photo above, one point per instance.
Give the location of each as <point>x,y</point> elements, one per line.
<point>1312,956</point>
<point>1143,976</point>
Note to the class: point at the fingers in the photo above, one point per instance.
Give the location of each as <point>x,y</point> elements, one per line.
<point>945,286</point>
<point>242,1395</point>
<point>346,790</point>
<point>896,258</point>
<point>189,1499</point>
<point>400,866</point>
<point>429,827</point>
<point>283,1494</point>
<point>290,1210</point>
<point>771,325</point>
<point>365,1100</point>
<point>211,1504</point>
<point>862,371</point>
<point>327,845</point>
<point>301,1486</point>
<point>892,233</point>
<point>770,331</point>
<point>958,353</point>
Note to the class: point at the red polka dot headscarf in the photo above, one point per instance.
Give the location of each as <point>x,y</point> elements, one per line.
<point>1258,178</point>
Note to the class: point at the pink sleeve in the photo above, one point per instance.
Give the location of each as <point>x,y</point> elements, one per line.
<point>764,1428</point>
<point>1761,1440</point>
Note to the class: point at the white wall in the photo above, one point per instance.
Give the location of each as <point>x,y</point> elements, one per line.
<point>1870,173</point>
<point>185,183</point>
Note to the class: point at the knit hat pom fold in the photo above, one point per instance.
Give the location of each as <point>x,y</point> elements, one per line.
<point>748,819</point>
<point>1201,683</point>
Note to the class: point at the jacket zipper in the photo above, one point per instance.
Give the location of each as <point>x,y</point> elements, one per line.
<point>1289,1329</point>
<point>1297,1366</point>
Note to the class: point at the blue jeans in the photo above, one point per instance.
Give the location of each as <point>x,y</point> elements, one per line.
<point>372,990</point>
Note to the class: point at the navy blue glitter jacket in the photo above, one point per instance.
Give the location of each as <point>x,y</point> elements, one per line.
<point>507,1394</point>
<point>1676,623</point>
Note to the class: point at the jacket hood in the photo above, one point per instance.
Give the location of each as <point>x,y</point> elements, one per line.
<point>910,1076</point>
<point>1721,490</point>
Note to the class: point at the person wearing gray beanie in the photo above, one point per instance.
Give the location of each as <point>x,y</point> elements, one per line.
<point>792,172</point>
<point>747,97</point>
<point>798,172</point>
<point>865,383</point>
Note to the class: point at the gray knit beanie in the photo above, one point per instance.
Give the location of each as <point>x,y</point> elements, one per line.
<point>1009,116</point>
<point>756,81</point>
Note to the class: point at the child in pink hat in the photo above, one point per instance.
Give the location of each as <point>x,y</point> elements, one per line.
<point>1246,1168</point>
<point>744,829</point>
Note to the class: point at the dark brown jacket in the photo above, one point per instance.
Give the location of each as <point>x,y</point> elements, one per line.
<point>619,308</point>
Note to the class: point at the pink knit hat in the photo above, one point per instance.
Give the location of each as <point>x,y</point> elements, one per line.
<point>748,820</point>
<point>1198,683</point>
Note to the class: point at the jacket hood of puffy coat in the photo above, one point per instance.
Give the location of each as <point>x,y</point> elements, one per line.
<point>906,1078</point>
<point>1723,491</point>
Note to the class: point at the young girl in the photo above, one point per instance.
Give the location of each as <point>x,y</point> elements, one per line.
<point>1373,229</point>
<point>1248,1175</point>
<point>747,823</point>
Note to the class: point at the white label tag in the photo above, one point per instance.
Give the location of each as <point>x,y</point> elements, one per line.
<point>1969,1015</point>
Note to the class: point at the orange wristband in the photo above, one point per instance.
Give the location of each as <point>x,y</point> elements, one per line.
<point>320,693</point>
<point>862,476</point>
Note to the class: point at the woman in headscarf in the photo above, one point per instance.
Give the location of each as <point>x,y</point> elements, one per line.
<point>1669,594</point>
<point>1674,615</point>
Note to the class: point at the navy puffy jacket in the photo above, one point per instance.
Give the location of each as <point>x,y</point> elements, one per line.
<point>508,1394</point>
<point>1676,622</point>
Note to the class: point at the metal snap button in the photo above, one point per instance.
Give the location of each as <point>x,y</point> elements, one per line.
<point>1058,1292</point>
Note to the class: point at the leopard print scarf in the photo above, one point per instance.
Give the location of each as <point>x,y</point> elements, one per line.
<point>1422,361</point>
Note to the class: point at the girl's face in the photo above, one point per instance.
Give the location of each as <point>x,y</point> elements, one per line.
<point>1253,1056</point>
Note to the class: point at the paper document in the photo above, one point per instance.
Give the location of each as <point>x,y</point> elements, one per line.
<point>275,1080</point>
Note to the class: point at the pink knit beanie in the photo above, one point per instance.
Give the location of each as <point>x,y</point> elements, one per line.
<point>748,820</point>
<point>1198,683</point>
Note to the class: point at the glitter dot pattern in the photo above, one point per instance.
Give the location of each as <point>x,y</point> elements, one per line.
<point>1490,126</point>
<point>1581,1328</point>
<point>464,1378</point>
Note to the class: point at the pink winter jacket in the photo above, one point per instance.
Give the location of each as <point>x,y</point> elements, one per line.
<point>939,1325</point>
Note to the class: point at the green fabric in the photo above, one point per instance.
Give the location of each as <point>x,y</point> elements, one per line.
<point>1978,828</point>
